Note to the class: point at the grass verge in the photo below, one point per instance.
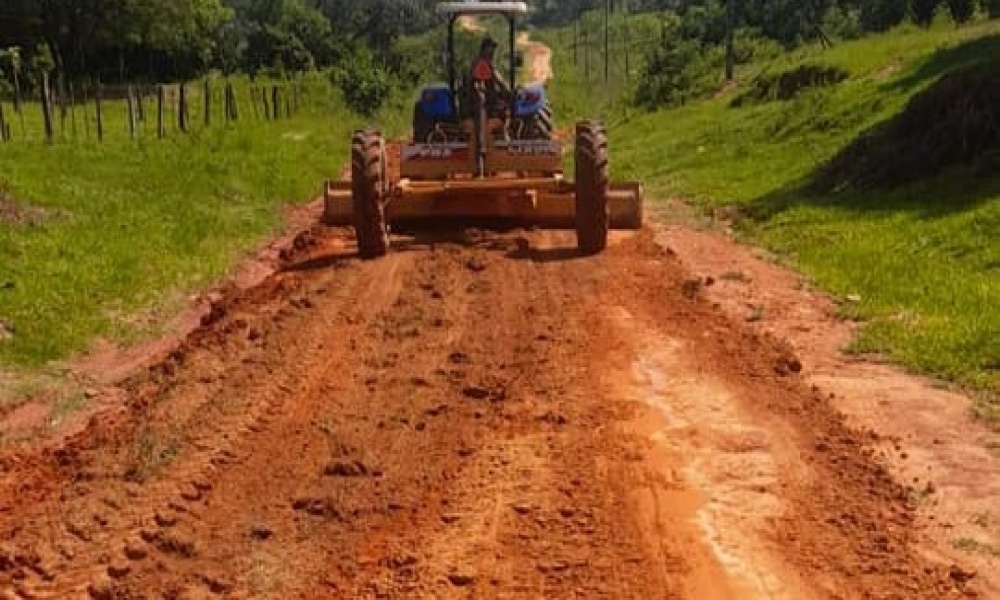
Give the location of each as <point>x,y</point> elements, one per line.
<point>122,232</point>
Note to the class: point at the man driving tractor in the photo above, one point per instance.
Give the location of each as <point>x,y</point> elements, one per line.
<point>486,77</point>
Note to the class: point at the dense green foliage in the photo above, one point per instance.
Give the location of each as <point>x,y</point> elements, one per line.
<point>162,39</point>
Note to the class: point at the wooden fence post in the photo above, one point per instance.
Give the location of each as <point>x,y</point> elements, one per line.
<point>267,107</point>
<point>86,118</point>
<point>275,102</point>
<point>232,111</point>
<point>130,109</point>
<point>159,111</point>
<point>72,109</point>
<point>140,108</point>
<point>208,102</point>
<point>61,83</point>
<point>3,124</point>
<point>18,105</point>
<point>253,102</point>
<point>100,117</point>
<point>182,108</point>
<point>47,107</point>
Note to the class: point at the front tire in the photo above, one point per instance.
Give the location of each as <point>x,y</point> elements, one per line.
<point>591,187</point>
<point>368,185</point>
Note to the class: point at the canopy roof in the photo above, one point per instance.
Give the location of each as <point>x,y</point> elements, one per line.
<point>476,7</point>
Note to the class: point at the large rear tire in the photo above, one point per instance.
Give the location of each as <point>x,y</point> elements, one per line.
<point>545,118</point>
<point>591,187</point>
<point>368,185</point>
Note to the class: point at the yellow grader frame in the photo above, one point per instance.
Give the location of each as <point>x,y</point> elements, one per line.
<point>483,175</point>
<point>428,190</point>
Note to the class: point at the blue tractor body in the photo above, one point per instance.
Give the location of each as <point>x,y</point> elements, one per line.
<point>530,100</point>
<point>437,102</point>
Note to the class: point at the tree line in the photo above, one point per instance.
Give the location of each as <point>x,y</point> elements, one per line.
<point>147,41</point>
<point>787,21</point>
<point>159,40</point>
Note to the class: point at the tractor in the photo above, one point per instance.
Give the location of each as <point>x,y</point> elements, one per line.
<point>475,158</point>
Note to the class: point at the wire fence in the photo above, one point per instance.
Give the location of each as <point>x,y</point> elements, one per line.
<point>59,112</point>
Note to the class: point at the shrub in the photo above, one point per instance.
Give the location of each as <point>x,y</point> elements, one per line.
<point>924,11</point>
<point>962,10</point>
<point>365,83</point>
<point>789,84</point>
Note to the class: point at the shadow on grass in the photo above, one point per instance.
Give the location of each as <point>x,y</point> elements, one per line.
<point>939,155</point>
<point>945,60</point>
<point>952,191</point>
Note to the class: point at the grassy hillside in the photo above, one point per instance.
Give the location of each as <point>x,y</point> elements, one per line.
<point>922,254</point>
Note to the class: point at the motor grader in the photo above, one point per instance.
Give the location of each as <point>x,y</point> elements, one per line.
<point>472,159</point>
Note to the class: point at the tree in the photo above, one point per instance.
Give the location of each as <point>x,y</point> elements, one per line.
<point>924,11</point>
<point>105,37</point>
<point>962,10</point>
<point>882,15</point>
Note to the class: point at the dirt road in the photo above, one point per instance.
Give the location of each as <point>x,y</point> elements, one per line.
<point>478,415</point>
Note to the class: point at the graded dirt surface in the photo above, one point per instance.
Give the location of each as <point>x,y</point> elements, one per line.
<point>479,414</point>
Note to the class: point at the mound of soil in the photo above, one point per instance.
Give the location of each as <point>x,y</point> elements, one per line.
<point>955,122</point>
<point>789,84</point>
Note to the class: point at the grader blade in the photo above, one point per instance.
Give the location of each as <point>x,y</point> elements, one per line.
<point>543,202</point>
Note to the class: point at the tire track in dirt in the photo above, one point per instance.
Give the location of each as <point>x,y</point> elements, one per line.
<point>479,414</point>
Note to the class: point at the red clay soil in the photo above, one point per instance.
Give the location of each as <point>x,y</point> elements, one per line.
<point>929,439</point>
<point>476,415</point>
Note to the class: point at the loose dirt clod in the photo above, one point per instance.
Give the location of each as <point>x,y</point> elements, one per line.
<point>461,579</point>
<point>346,469</point>
<point>134,551</point>
<point>117,571</point>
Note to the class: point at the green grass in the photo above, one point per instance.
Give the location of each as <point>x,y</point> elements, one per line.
<point>131,228</point>
<point>924,258</point>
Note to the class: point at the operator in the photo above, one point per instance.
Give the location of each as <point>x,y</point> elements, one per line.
<point>498,92</point>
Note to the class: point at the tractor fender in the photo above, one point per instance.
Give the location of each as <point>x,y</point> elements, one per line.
<point>530,100</point>
<point>435,101</point>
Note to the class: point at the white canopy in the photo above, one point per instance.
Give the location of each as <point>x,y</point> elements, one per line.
<point>475,7</point>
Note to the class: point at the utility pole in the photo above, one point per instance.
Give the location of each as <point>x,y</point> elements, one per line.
<point>628,40</point>
<point>576,42</point>
<point>730,35</point>
<point>607,18</point>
